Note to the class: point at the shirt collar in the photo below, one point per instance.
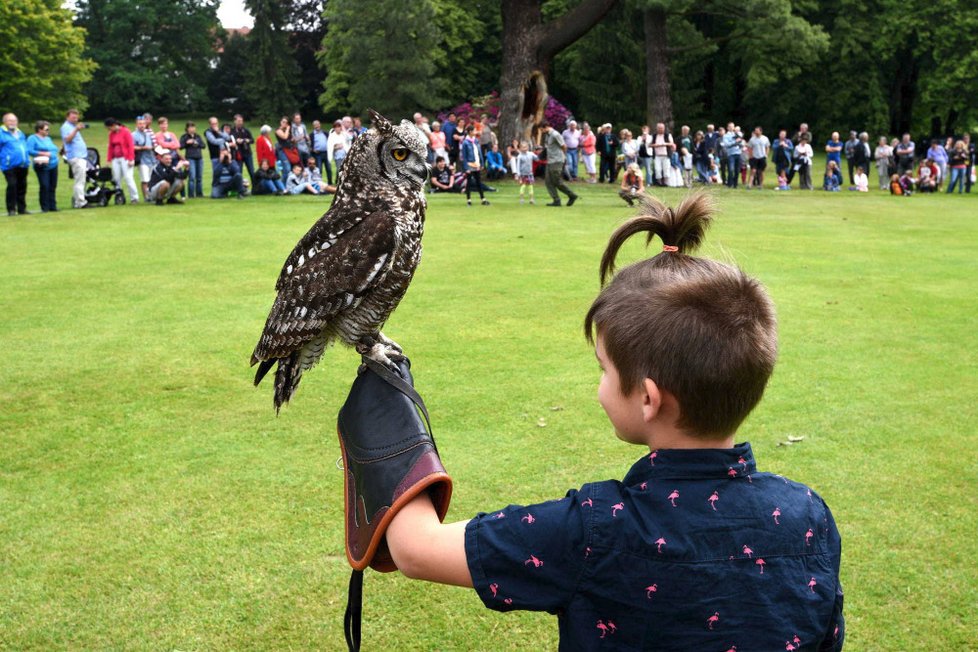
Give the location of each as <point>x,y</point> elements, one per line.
<point>693,463</point>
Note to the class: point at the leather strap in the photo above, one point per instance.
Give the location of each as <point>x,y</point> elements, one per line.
<point>402,386</point>
<point>354,611</point>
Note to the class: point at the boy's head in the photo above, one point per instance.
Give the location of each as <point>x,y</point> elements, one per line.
<point>440,163</point>
<point>297,168</point>
<point>524,146</point>
<point>703,331</point>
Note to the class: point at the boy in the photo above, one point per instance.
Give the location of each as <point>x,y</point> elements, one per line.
<point>695,549</point>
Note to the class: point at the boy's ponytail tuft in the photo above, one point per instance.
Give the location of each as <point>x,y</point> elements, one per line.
<point>682,227</point>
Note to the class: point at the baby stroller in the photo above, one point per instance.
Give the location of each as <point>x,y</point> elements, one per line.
<point>100,187</point>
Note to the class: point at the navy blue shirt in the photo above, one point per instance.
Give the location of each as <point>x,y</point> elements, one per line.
<point>693,550</point>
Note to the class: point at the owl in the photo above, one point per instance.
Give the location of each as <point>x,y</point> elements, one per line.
<point>348,273</point>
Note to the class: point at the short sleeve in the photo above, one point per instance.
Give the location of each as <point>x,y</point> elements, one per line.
<point>530,557</point>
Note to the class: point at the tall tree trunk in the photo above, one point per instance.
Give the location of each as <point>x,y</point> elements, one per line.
<point>529,45</point>
<point>658,90</point>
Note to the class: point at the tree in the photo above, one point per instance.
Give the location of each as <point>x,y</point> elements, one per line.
<point>530,44</point>
<point>43,69</point>
<point>381,55</point>
<point>150,54</point>
<point>306,29</point>
<point>759,31</point>
<point>271,72</point>
<point>228,78</point>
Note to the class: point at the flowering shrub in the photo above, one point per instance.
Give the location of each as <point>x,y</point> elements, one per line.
<point>556,113</point>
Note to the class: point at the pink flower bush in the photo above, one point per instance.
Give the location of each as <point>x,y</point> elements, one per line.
<point>556,113</point>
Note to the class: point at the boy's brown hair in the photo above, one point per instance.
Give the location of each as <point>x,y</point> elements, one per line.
<point>702,330</point>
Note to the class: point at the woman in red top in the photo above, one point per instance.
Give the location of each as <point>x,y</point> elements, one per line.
<point>264,147</point>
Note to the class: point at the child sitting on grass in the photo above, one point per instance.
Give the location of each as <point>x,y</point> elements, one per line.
<point>862,181</point>
<point>783,180</point>
<point>695,549</point>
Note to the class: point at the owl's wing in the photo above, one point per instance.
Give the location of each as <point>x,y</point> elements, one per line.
<point>330,270</point>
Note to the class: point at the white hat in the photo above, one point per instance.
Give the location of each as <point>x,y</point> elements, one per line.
<point>160,150</point>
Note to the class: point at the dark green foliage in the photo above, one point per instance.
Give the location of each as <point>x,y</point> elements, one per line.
<point>42,69</point>
<point>151,55</point>
<point>227,82</point>
<point>271,75</point>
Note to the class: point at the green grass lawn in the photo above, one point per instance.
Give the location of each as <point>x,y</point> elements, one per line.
<point>150,499</point>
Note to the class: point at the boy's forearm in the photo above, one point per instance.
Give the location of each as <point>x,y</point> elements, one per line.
<point>425,549</point>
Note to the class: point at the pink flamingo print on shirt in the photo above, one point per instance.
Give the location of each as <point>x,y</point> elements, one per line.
<point>611,627</point>
<point>494,588</point>
<point>603,628</point>
<point>617,507</point>
<point>587,552</point>
<point>748,552</point>
<point>808,537</point>
<point>528,519</point>
<point>649,590</point>
<point>788,646</point>
<point>741,461</point>
<point>659,543</point>
<point>712,619</point>
<point>733,648</point>
<point>776,513</point>
<point>499,515</point>
<point>673,496</point>
<point>508,600</point>
<point>587,503</point>
<point>732,472</point>
<point>653,456</point>
<point>533,560</point>
<point>811,584</point>
<point>797,640</point>
<point>643,486</point>
<point>714,497</point>
<point>760,562</point>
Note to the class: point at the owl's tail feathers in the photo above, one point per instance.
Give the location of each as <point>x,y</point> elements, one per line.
<point>287,376</point>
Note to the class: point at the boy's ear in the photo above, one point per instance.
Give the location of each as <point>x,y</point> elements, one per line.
<point>651,400</point>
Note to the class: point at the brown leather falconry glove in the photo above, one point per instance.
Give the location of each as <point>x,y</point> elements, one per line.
<point>389,457</point>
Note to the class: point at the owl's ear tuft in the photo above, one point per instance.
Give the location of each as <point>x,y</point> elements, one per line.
<point>380,123</point>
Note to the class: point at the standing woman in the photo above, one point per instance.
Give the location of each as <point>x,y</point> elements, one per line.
<point>883,153</point>
<point>629,148</point>
<point>959,166</point>
<point>264,146</point>
<point>803,161</point>
<point>13,163</point>
<point>45,153</point>
<point>588,145</point>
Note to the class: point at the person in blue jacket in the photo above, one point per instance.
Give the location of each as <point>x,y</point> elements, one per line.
<point>42,149</point>
<point>13,163</point>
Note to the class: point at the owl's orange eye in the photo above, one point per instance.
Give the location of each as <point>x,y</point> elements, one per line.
<point>399,154</point>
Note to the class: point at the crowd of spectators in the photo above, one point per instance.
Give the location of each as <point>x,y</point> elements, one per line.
<point>464,154</point>
<point>170,168</point>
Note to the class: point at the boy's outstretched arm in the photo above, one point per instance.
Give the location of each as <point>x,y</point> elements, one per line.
<point>425,549</point>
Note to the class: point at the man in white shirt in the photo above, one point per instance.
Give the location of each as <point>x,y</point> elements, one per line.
<point>758,145</point>
<point>572,139</point>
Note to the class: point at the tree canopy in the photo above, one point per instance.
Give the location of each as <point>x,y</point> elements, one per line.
<point>150,54</point>
<point>44,70</point>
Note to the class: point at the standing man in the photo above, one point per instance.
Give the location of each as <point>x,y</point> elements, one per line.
<point>449,128</point>
<point>608,150</point>
<point>320,149</point>
<point>76,151</point>
<point>732,142</point>
<point>216,142</point>
<point>904,154</point>
<point>850,151</point>
<point>338,144</point>
<point>300,136</point>
<point>758,146</point>
<point>572,140</point>
<point>142,140</point>
<point>243,140</point>
<point>122,157</point>
<point>833,151</point>
<point>14,163</point>
<point>554,144</point>
<point>662,149</point>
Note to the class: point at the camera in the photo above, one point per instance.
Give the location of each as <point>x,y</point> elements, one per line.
<point>84,125</point>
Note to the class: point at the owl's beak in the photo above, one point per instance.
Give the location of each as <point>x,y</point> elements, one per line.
<point>429,170</point>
